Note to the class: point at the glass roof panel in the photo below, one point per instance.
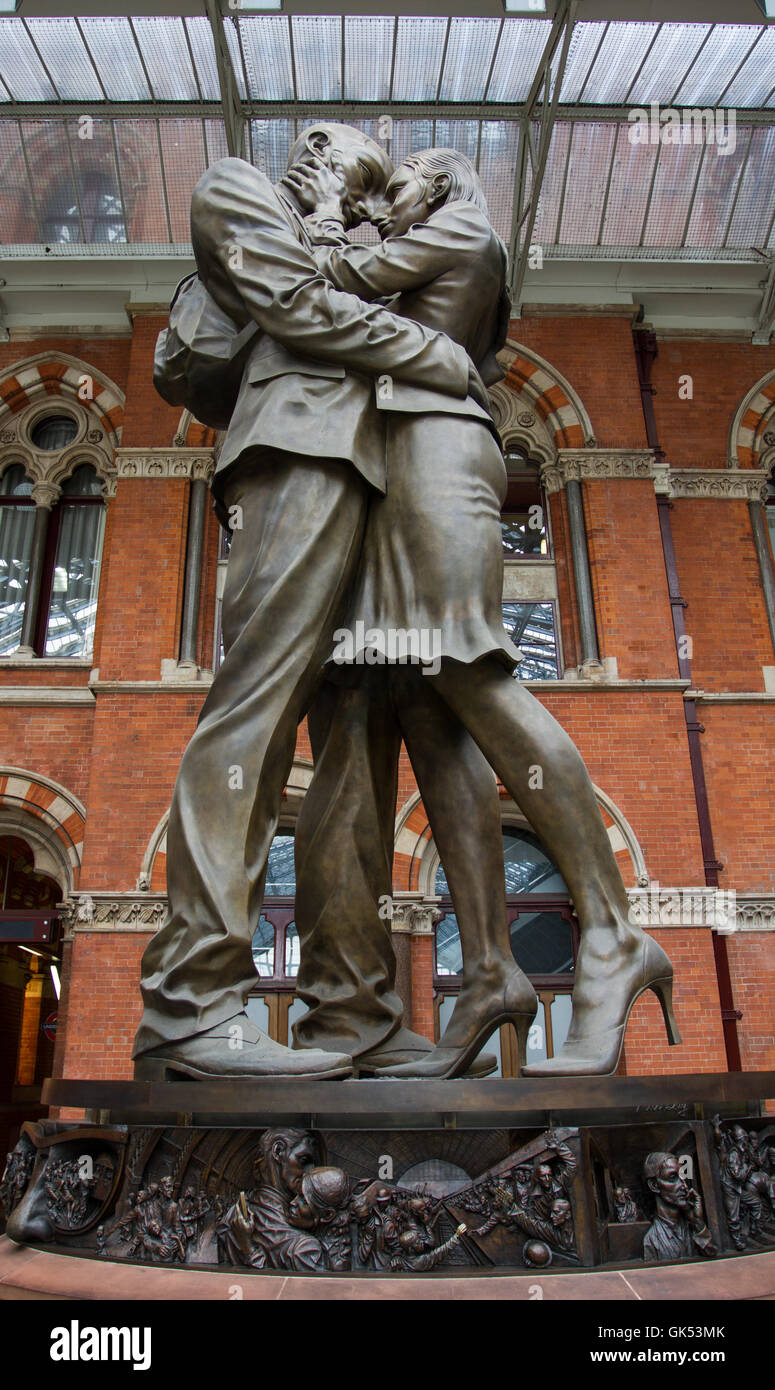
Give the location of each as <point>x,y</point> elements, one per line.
<point>165,52</point>
<point>519,52</point>
<point>271,142</point>
<point>621,53</point>
<point>715,67</point>
<point>368,58</point>
<point>419,46</point>
<point>54,198</point>
<point>672,194</point>
<point>16,205</point>
<point>140,170</point>
<point>756,79</point>
<point>182,144</point>
<point>96,181</point>
<point>469,55</point>
<point>629,192</point>
<point>235,53</point>
<point>497,170</point>
<point>409,136</point>
<point>675,49</point>
<point>717,189</point>
<point>266,43</point>
<point>20,66</point>
<point>591,151</point>
<point>317,46</point>
<point>215,141</point>
<point>551,196</point>
<point>62,50</point>
<point>116,58</point>
<point>752,217</point>
<point>581,53</point>
<point>457,135</point>
<point>200,36</point>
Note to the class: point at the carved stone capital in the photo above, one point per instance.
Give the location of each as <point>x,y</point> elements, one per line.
<point>103,912</point>
<point>173,462</point>
<point>577,465</point>
<point>45,494</point>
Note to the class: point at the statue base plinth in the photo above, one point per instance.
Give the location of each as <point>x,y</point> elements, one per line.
<point>401,1177</point>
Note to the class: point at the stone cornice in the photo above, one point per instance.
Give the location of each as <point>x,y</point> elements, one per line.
<point>585,465</point>
<point>106,912</point>
<point>172,462</point>
<point>577,465</point>
<point>728,484</point>
<point>655,908</point>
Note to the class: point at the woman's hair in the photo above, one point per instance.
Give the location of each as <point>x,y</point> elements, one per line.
<point>465,185</point>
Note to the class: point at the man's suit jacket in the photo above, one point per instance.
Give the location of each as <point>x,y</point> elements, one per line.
<point>308,384</point>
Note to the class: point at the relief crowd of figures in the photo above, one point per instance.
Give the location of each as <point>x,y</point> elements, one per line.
<point>302,1214</point>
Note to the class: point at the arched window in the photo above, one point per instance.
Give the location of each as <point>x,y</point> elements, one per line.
<point>530,583</point>
<point>17,521</point>
<point>29,966</point>
<point>94,214</point>
<point>273,1005</point>
<point>69,561</point>
<point>21,887</point>
<point>543,933</point>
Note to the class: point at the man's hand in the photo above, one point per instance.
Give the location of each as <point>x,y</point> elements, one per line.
<point>320,190</point>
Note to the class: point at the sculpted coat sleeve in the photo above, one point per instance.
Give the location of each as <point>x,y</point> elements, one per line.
<point>401,263</point>
<point>254,268</point>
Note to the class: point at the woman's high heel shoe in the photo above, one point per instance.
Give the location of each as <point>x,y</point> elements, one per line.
<point>473,1023</point>
<point>590,1052</point>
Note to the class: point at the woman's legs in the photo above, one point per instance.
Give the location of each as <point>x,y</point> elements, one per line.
<point>543,771</point>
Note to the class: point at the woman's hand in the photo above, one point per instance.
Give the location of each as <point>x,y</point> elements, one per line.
<point>320,189</point>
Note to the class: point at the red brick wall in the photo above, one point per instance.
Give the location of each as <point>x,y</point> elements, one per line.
<point>752,969</point>
<point>719,577</point>
<point>737,752</point>
<point>596,356</point>
<point>695,433</point>
<point>697,1012</point>
<point>104,1004</point>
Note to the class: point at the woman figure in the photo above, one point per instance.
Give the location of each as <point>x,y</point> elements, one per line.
<point>433,559</point>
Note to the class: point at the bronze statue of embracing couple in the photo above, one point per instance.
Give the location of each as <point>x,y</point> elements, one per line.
<point>362,478</point>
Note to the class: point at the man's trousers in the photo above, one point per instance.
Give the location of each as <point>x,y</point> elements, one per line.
<point>297,532</point>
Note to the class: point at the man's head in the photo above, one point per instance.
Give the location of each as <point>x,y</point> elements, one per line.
<point>663,1176</point>
<point>424,183</point>
<point>543,1175</point>
<point>560,1213</point>
<point>364,166</point>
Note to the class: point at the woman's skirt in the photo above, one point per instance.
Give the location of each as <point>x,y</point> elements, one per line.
<point>431,579</point>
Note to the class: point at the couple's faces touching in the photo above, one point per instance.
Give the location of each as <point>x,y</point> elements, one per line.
<point>392,201</point>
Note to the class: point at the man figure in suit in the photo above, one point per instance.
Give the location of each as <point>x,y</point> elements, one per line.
<point>304,451</point>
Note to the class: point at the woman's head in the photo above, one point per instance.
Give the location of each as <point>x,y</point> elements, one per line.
<point>423,183</point>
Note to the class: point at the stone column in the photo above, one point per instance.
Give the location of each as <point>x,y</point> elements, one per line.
<point>581,574</point>
<point>44,495</point>
<point>193,578</point>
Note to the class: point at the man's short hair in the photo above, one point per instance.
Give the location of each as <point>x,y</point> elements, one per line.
<point>337,131</point>
<point>653,1165</point>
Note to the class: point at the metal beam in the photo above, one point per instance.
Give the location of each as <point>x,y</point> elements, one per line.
<point>545,90</point>
<point>343,111</point>
<point>231,102</point>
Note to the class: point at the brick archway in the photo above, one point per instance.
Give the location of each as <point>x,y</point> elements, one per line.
<point>747,443</point>
<point>58,374</point>
<point>46,814</point>
<point>535,388</point>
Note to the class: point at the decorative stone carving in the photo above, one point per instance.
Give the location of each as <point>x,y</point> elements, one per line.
<point>175,462</point>
<point>579,464</point>
<point>45,494</point>
<point>417,918</point>
<point>740,484</point>
<point>130,911</point>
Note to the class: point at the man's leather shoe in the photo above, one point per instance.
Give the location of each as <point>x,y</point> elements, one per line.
<point>237,1047</point>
